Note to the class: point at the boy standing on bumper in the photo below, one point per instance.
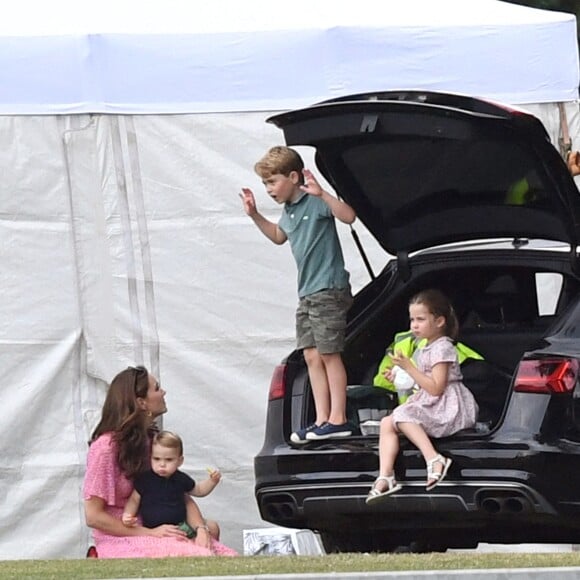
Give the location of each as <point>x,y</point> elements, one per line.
<point>324,293</point>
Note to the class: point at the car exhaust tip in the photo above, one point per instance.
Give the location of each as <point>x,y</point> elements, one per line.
<point>491,505</point>
<point>504,504</point>
<point>516,505</point>
<point>280,508</point>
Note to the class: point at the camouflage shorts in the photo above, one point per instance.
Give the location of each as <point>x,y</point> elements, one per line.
<point>321,320</point>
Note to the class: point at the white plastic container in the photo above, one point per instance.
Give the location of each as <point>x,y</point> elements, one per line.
<point>403,382</point>
<point>370,427</point>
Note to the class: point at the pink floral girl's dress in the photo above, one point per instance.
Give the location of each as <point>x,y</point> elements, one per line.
<point>452,411</point>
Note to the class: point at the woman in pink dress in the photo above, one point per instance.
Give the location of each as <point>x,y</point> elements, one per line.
<point>442,406</point>
<point>119,450</point>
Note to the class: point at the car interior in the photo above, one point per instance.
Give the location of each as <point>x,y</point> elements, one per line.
<point>503,312</point>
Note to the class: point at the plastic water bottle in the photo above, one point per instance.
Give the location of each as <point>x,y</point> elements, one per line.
<point>403,382</point>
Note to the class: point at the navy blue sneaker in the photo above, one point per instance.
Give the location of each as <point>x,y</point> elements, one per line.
<point>329,431</point>
<point>299,437</point>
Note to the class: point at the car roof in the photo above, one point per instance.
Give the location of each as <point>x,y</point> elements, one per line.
<point>423,169</point>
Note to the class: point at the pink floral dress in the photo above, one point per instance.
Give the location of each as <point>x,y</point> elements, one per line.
<point>105,480</point>
<point>452,411</point>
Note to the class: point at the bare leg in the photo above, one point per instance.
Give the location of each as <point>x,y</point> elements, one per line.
<point>416,434</point>
<point>336,377</point>
<point>319,383</point>
<point>214,529</point>
<point>388,450</point>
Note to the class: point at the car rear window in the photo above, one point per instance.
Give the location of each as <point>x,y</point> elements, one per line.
<point>429,174</point>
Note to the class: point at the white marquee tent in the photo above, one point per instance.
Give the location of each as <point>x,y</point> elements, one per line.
<point>126,131</point>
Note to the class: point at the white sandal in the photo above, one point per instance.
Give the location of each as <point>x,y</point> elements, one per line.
<point>375,494</point>
<point>436,477</point>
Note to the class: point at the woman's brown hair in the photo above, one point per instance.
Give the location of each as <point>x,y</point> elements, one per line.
<point>122,416</point>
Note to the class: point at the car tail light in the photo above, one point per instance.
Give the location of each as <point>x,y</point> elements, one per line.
<point>278,383</point>
<point>546,375</point>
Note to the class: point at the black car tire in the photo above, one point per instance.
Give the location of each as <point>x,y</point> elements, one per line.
<point>356,542</point>
<point>375,542</point>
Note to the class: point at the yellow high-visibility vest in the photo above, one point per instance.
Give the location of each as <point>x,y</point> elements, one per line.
<point>406,343</point>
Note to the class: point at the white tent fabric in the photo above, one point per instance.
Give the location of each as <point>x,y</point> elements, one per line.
<point>178,56</point>
<point>122,236</point>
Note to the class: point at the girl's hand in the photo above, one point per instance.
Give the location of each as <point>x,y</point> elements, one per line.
<point>248,201</point>
<point>166,531</point>
<point>401,360</point>
<point>389,374</point>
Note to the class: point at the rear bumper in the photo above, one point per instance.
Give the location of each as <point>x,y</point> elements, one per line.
<point>482,511</point>
<point>449,499</point>
<point>503,491</point>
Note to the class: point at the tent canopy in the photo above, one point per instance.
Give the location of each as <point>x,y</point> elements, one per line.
<point>178,56</point>
<point>122,236</point>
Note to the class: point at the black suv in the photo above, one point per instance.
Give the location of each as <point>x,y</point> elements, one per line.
<point>472,198</point>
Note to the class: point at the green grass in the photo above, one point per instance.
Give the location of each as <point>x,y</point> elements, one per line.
<point>176,567</point>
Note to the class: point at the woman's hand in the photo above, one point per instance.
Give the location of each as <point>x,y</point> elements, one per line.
<point>166,531</point>
<point>203,538</point>
<point>573,163</point>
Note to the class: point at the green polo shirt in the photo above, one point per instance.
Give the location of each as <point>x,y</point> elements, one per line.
<point>309,225</point>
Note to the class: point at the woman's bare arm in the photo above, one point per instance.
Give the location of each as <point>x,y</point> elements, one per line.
<point>96,517</point>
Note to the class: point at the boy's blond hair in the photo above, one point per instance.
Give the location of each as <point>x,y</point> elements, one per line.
<point>280,160</point>
<point>169,440</point>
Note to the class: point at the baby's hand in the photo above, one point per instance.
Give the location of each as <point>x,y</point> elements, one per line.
<point>248,201</point>
<point>389,374</point>
<point>129,520</point>
<point>214,475</point>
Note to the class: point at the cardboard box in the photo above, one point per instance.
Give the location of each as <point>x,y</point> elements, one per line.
<point>278,541</point>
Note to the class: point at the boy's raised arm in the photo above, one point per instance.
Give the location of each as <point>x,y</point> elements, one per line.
<point>268,228</point>
<point>340,209</point>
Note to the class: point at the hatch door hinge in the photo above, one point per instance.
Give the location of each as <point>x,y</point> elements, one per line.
<point>403,266</point>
